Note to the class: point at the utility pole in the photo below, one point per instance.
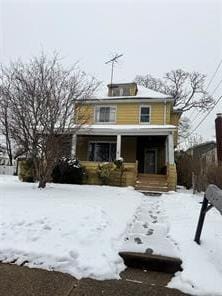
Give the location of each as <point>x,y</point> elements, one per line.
<point>218,126</point>
<point>113,61</point>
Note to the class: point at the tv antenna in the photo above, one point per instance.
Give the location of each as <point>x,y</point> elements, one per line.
<point>113,61</point>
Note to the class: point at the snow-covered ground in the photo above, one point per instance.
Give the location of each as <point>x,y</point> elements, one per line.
<point>70,228</point>
<point>81,229</point>
<point>166,225</point>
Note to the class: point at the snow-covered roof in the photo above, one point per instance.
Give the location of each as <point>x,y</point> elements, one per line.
<point>142,93</point>
<point>126,129</point>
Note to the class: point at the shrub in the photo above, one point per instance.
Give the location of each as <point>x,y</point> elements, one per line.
<point>120,167</point>
<point>104,172</point>
<point>26,171</point>
<point>68,171</point>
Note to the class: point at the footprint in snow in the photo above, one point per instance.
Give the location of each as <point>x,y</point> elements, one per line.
<point>46,227</point>
<point>145,225</point>
<point>150,232</point>
<point>138,240</point>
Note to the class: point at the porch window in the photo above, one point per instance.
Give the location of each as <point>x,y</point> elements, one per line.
<point>102,152</point>
<point>144,114</point>
<point>105,114</point>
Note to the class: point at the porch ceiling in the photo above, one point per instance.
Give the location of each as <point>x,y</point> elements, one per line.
<point>133,130</point>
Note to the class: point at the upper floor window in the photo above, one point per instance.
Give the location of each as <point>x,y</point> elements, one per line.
<point>105,114</point>
<point>145,114</point>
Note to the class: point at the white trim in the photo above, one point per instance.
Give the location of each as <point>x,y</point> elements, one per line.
<point>73,145</point>
<point>170,148</point>
<point>135,100</point>
<point>118,146</point>
<point>146,106</point>
<point>156,151</point>
<point>105,106</point>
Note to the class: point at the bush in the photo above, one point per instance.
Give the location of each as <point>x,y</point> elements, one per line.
<point>68,171</point>
<point>26,171</point>
<point>104,172</point>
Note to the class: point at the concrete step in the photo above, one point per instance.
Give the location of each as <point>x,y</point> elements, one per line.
<point>151,188</point>
<point>147,182</point>
<point>152,175</point>
<point>151,178</point>
<point>151,262</point>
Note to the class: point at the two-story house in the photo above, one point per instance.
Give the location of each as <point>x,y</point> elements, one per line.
<point>137,124</point>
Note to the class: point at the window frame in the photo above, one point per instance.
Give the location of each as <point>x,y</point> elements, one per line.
<point>104,106</point>
<point>99,142</point>
<point>145,106</point>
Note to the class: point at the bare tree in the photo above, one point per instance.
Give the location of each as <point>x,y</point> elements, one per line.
<point>42,100</point>
<point>188,89</point>
<point>4,126</point>
<point>184,127</point>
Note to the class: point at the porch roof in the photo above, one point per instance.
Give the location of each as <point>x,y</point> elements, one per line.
<point>122,129</point>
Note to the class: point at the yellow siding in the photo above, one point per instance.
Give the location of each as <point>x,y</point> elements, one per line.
<point>128,113</point>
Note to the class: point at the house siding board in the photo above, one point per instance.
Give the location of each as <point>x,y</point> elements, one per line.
<point>128,113</point>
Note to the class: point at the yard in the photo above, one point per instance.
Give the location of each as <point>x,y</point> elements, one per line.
<point>80,230</point>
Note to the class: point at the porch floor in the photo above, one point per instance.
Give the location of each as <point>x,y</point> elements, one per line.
<point>152,183</point>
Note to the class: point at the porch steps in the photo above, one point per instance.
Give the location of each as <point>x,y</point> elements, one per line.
<point>151,183</point>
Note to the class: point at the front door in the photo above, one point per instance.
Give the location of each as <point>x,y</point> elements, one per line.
<point>150,161</point>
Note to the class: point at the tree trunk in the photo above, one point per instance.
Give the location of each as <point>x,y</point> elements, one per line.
<point>42,183</point>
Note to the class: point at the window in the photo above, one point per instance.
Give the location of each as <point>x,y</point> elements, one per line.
<point>144,114</point>
<point>105,114</point>
<point>102,151</point>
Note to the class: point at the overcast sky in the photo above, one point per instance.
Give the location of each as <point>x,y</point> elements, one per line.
<point>154,36</point>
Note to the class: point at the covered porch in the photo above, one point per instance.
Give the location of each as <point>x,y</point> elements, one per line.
<point>150,149</point>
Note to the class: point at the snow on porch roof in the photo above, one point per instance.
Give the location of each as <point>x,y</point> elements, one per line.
<point>133,129</point>
<point>142,93</point>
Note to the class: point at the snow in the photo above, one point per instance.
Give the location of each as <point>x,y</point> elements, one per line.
<point>166,225</point>
<point>70,228</point>
<point>124,128</point>
<point>129,126</point>
<point>202,264</point>
<point>143,92</point>
<point>81,229</point>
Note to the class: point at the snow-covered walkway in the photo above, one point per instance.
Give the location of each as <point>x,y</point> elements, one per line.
<point>166,225</point>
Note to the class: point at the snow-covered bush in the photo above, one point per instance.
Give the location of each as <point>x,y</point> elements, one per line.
<point>68,171</point>
<point>118,163</point>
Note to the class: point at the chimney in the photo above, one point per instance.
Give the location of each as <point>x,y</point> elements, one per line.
<point>218,126</point>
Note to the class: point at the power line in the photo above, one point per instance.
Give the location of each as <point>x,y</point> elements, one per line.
<point>214,74</point>
<point>209,110</point>
<point>216,87</point>
<point>208,85</point>
<point>205,116</point>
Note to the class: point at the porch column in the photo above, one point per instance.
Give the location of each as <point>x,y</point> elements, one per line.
<point>118,147</point>
<point>73,147</point>
<point>170,149</point>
